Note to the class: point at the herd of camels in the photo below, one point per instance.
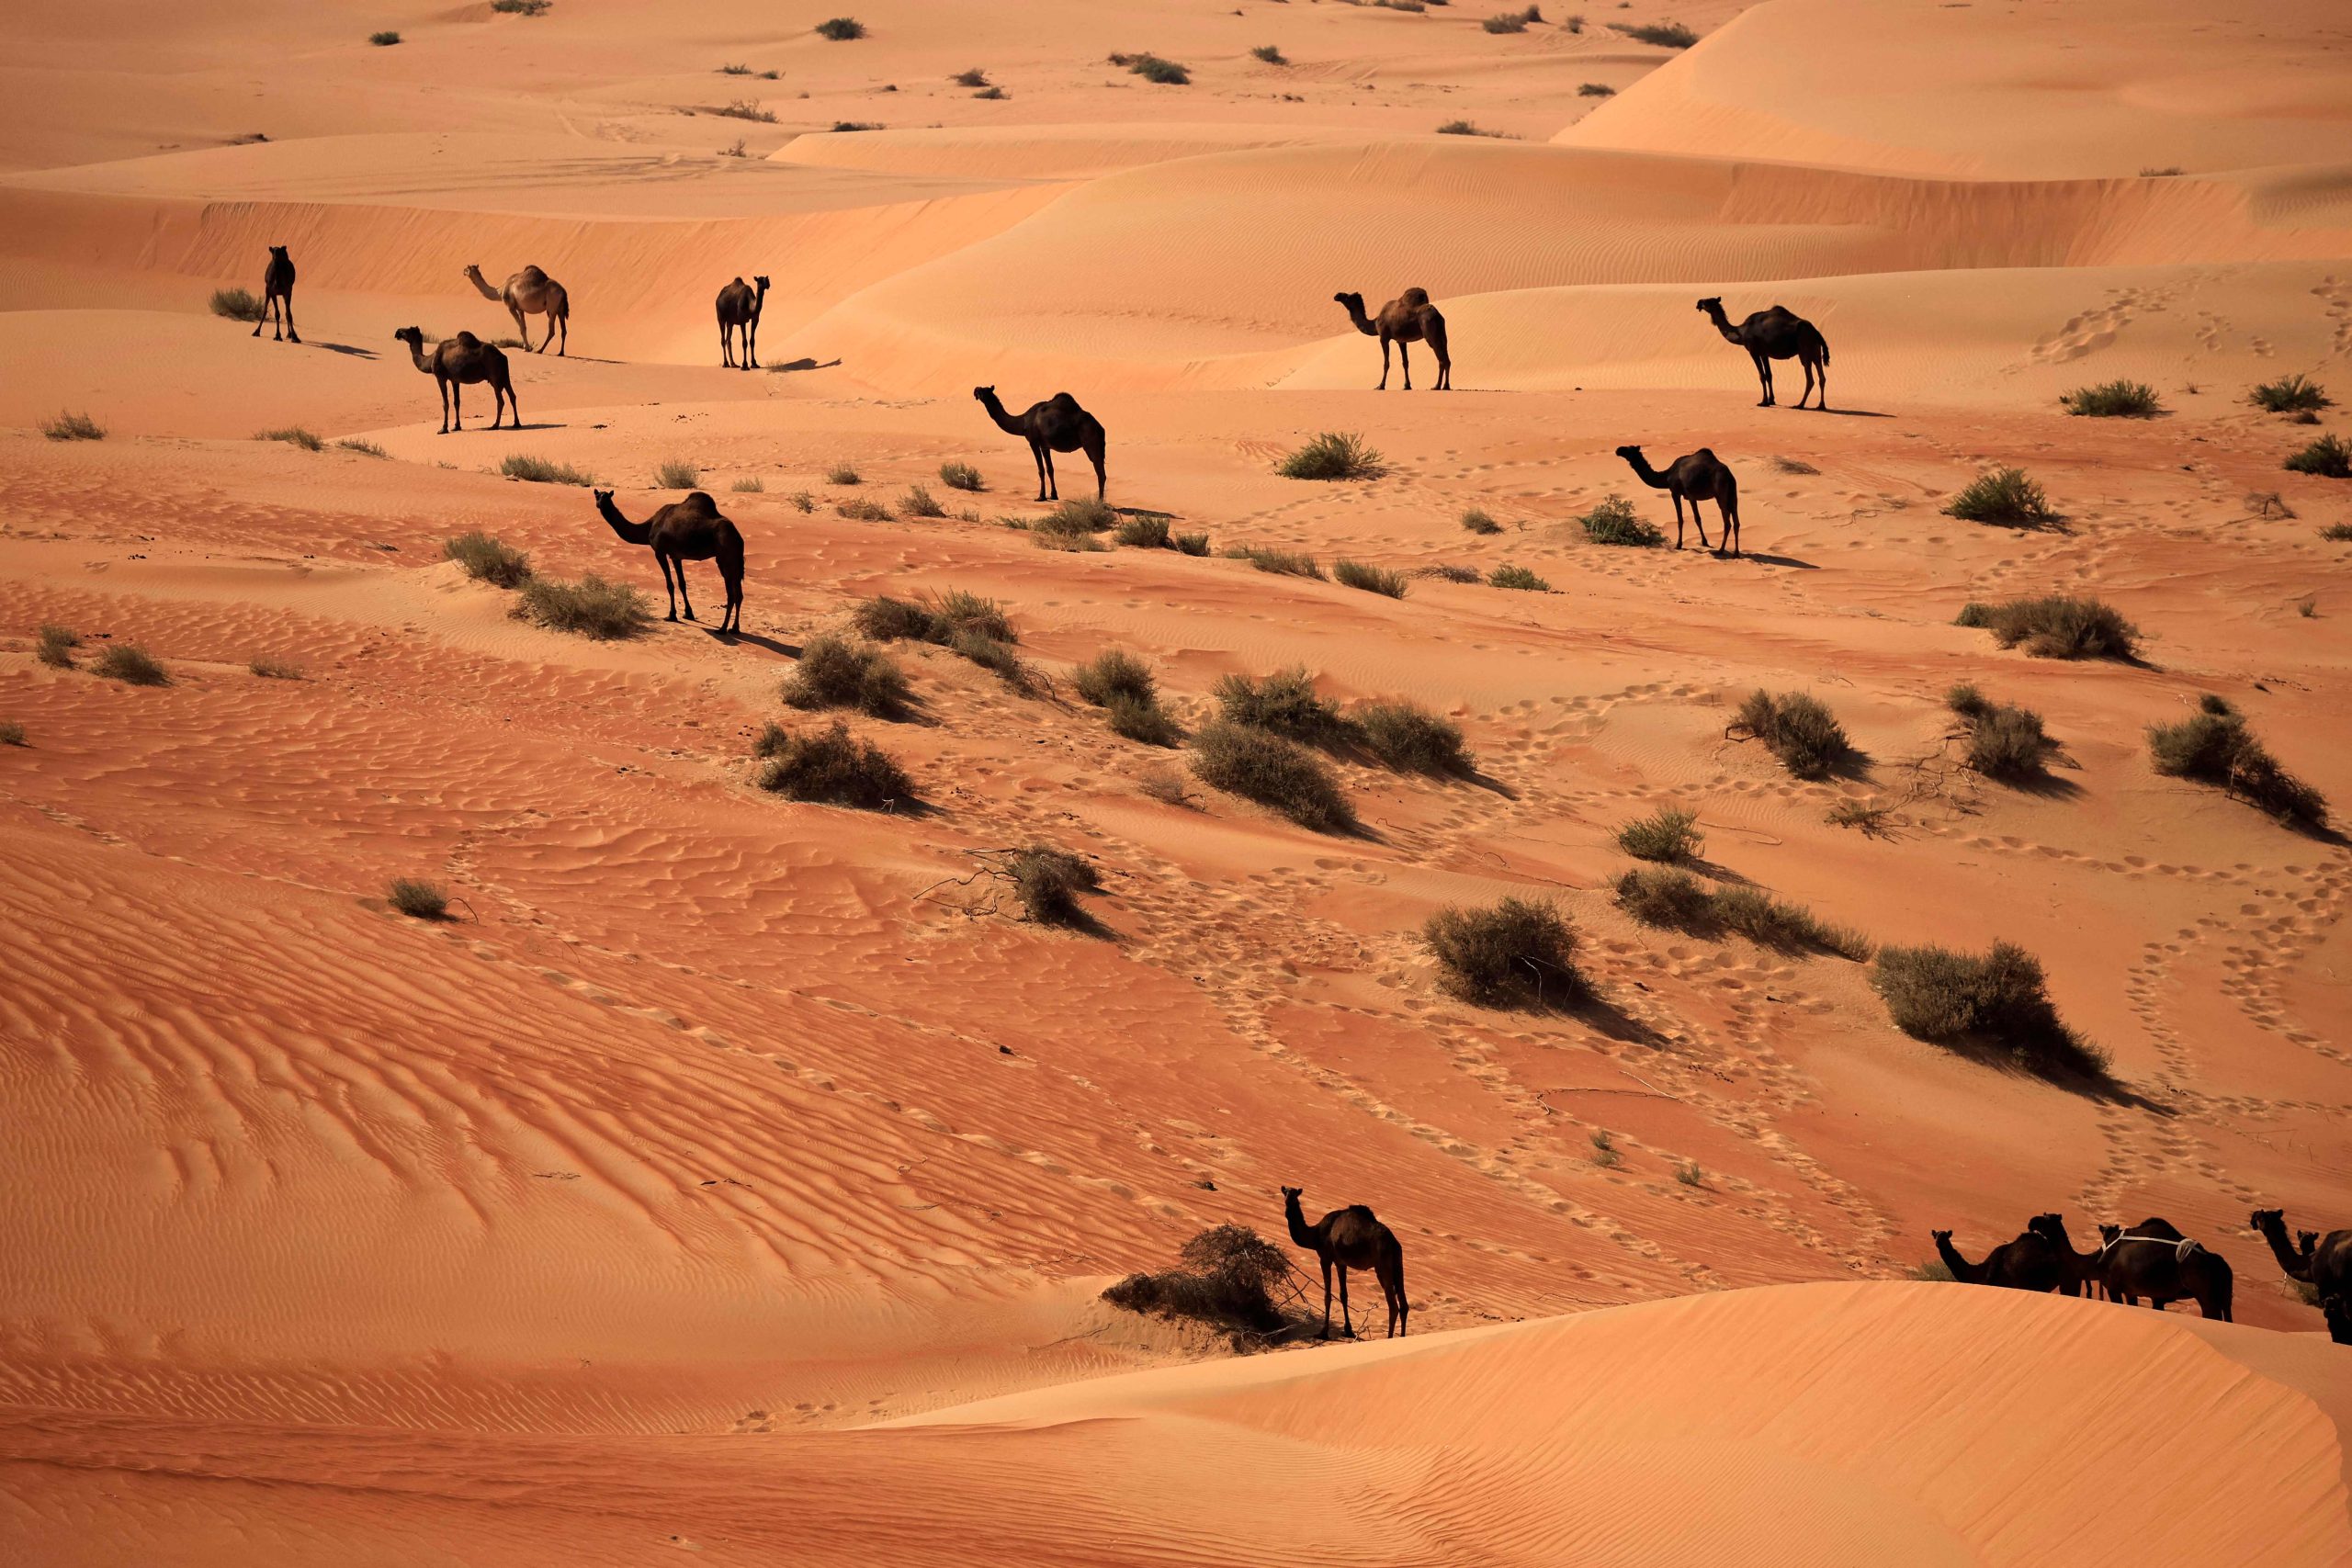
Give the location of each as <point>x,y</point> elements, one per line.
<point>2152,1261</point>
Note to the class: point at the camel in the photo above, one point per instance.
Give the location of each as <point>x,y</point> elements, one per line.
<point>531,292</point>
<point>1408,318</point>
<point>1352,1237</point>
<point>277,290</point>
<point>740,307</point>
<point>2164,1270</point>
<point>457,361</point>
<point>1777,333</point>
<point>2080,1273</point>
<point>1058,424</point>
<point>686,530</point>
<point>1694,477</point>
<point>2029,1263</point>
<point>2325,1265</point>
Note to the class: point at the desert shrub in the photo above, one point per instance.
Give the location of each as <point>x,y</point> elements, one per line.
<point>969,614</point>
<point>1190,543</point>
<point>1673,35</point>
<point>844,474</point>
<point>835,672</point>
<point>1410,738</point>
<point>745,109</point>
<point>1334,455</point>
<point>1115,672</point>
<point>2213,746</point>
<point>2005,741</point>
<point>70,426</point>
<point>2328,458</point>
<point>276,669</point>
<point>1796,728</point>
<point>2290,394</point>
<point>2337,533</point>
<point>293,435</point>
<point>1507,22</point>
<point>1371,579</point>
<point>1998,1001</point>
<point>2002,495</point>
<point>1145,531</point>
<point>1076,517</point>
<point>994,655</point>
<point>1151,68</point>
<point>592,607</point>
<point>1667,835</point>
<point>384,39</point>
<point>1282,563</point>
<point>1605,1148</point>
<point>1268,53</point>
<point>858,509</point>
<point>975,77</point>
<point>1792,466</point>
<point>1453,571</point>
<point>2055,626</point>
<point>1934,1269</point>
<point>418,900</point>
<point>1069,544</point>
<point>885,619</point>
<point>1048,881</point>
<point>1228,1279</point>
<point>1518,952</point>
<point>840,29</point>
<point>991,93</point>
<point>1285,702</point>
<point>1476,521</point>
<point>239,304</point>
<point>365,448</point>
<point>12,733</point>
<point>487,558</point>
<point>56,646</point>
<point>131,664</point>
<point>960,476</point>
<point>1517,577</point>
<point>1142,720</point>
<point>1614,522</point>
<point>538,470</point>
<point>845,125</point>
<point>920,502</point>
<point>1464,128</point>
<point>1258,765</point>
<point>2114,399</point>
<point>831,767</point>
<point>749,484</point>
<point>1660,896</point>
<point>1869,816</point>
<point>1596,90</point>
<point>1690,1174</point>
<point>1165,786</point>
<point>676,475</point>
<point>1769,922</point>
<point>521,7</point>
<point>734,71</point>
<point>802,499</point>
<point>940,619</point>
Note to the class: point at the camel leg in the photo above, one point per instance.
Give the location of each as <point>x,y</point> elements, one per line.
<point>1384,364</point>
<point>1053,481</point>
<point>1677,518</point>
<point>726,346</point>
<point>1101,485</point>
<point>1729,508</point>
<point>1327,1298</point>
<point>1347,1324</point>
<point>1699,521</point>
<point>668,586</point>
<point>1821,379</point>
<point>733,620</point>
<point>1038,456</point>
<point>262,319</point>
<point>1764,376</point>
<point>683,597</point>
<point>751,344</point>
<point>286,305</point>
<point>566,344</point>
<point>1405,358</point>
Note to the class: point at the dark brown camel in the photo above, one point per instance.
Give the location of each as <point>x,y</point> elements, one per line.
<point>2325,1265</point>
<point>2080,1273</point>
<point>2164,1270</point>
<point>277,290</point>
<point>1058,424</point>
<point>1694,477</point>
<point>1351,1238</point>
<point>1777,333</point>
<point>2029,1263</point>
<point>686,530</point>
<point>1410,318</point>
<point>457,361</point>
<point>739,307</point>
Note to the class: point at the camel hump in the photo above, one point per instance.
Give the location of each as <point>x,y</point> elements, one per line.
<point>1413,299</point>
<point>467,340</point>
<point>1358,1212</point>
<point>533,274</point>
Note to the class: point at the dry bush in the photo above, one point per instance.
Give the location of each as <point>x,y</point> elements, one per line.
<point>1410,738</point>
<point>2005,741</point>
<point>857,509</point>
<point>1453,572</point>
<point>1268,53</point>
<point>831,767</point>
<point>1791,928</point>
<point>239,304</point>
<point>1151,68</point>
<point>418,900</point>
<point>920,502</point>
<point>1258,765</point>
<point>384,39</point>
<point>2002,495</point>
<point>960,476</point>
<point>1076,517</point>
<point>2213,746</point>
<point>1371,579</point>
<point>1190,543</point>
<point>1334,455</point>
<point>1282,563</point>
<point>131,664</point>
<point>1285,703</point>
<point>1143,531</point>
<point>1122,686</point>
<point>676,474</point>
<point>2290,394</point>
<point>56,646</point>
<point>276,669</point>
<point>2114,399</point>
<point>71,426</point>
<point>2328,458</point>
<point>1666,835</point>
<point>835,672</point>
<point>2055,626</point>
<point>487,558</point>
<point>365,448</point>
<point>1476,520</point>
<point>1673,35</point>
<point>1517,952</point>
<point>840,29</point>
<point>1660,896</point>
<point>749,484</point>
<point>538,470</point>
<point>293,435</point>
<point>974,77</point>
<point>1796,728</point>
<point>1229,1278</point>
<point>1998,1001</point>
<point>592,607</point>
<point>12,733</point>
<point>1614,522</point>
<point>1048,881</point>
<point>1517,577</point>
<point>1596,90</point>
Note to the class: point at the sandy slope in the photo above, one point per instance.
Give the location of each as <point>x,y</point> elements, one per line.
<point>717,1130</point>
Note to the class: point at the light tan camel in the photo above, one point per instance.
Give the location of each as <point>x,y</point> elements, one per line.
<point>531,292</point>
<point>1407,319</point>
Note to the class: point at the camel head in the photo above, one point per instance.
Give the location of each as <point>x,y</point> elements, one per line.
<point>1941,1237</point>
<point>412,337</point>
<point>1352,301</point>
<point>763,282</point>
<point>1293,1194</point>
<point>1631,453</point>
<point>983,393</point>
<point>2267,1220</point>
<point>2048,1226</point>
<point>1713,303</point>
<point>279,252</point>
<point>604,497</point>
<point>2307,1242</point>
<point>472,273</point>
<point>2108,1233</point>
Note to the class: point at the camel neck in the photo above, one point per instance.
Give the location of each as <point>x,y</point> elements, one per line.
<point>1299,1234</point>
<point>483,284</point>
<point>1004,421</point>
<point>1648,475</point>
<point>2297,1265</point>
<point>1723,322</point>
<point>631,533</point>
<point>1961,1268</point>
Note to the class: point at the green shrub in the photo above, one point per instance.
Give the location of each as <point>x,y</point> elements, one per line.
<point>1614,522</point>
<point>131,664</point>
<point>538,470</point>
<point>677,475</point>
<point>1048,881</point>
<point>2290,394</point>
<point>487,558</point>
<point>830,767</point>
<point>1282,563</point>
<point>56,646</point>
<point>1334,455</point>
<point>1268,53</point>
<point>1145,531</point>
<point>840,29</point>
<point>1999,1002</point>
<point>1074,517</point>
<point>994,655</point>
<point>592,607</point>
<point>960,476</point>
<point>858,509</point>
<point>1260,765</point>
<point>2337,533</point>
<point>1285,702</point>
<point>384,39</point>
<point>1371,579</point>
<point>293,435</point>
<point>521,7</point>
<point>418,900</point>
<point>2114,399</point>
<point>835,672</point>
<point>1151,68</point>
<point>1661,896</point>
<point>2005,741</point>
<point>1518,577</point>
<point>2328,458</point>
<point>920,502</point>
<point>239,304</point>
<point>2215,747</point>
<point>1476,521</point>
<point>1673,35</point>
<point>1412,739</point>
<point>1115,672</point>
<point>2055,626</point>
<point>1797,729</point>
<point>1666,835</point>
<point>70,426</point>
<point>1192,544</point>
<point>2002,495</point>
<point>1517,952</point>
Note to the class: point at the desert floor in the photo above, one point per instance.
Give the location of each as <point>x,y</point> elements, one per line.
<point>737,1177</point>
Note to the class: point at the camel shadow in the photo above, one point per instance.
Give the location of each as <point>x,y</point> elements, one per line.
<point>1852,414</point>
<point>1480,779</point>
<point>787,649</point>
<point>1778,561</point>
<point>1599,1013</point>
<point>352,349</point>
<point>798,365</point>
